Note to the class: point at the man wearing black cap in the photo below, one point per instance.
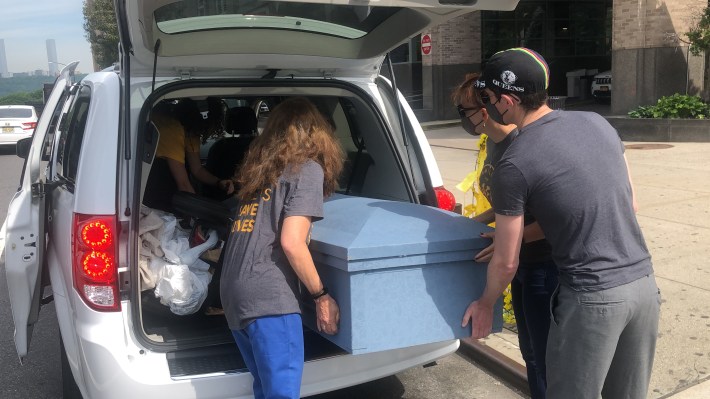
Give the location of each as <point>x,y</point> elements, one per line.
<point>569,170</point>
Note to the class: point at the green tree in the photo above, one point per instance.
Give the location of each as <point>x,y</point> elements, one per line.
<point>101,30</point>
<point>699,33</point>
<point>22,98</point>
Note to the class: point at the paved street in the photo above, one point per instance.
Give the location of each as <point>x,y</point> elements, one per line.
<point>672,182</point>
<point>40,377</point>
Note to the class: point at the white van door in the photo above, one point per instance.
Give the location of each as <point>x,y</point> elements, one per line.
<point>25,235</point>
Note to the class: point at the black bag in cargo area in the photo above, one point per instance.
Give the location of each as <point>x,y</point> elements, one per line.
<point>208,213</point>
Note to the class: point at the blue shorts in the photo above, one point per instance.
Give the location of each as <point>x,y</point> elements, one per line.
<point>272,348</point>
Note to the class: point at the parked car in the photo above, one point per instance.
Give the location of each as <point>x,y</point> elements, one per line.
<point>601,86</point>
<point>16,122</point>
<point>75,219</point>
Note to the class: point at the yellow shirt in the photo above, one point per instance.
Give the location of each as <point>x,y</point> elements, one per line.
<point>480,202</point>
<point>173,143</point>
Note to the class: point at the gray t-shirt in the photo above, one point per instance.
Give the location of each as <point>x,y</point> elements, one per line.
<point>531,253</point>
<point>257,279</point>
<point>568,169</point>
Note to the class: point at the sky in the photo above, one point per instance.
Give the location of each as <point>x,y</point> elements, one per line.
<point>27,24</point>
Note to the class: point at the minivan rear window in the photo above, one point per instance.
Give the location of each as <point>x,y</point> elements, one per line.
<point>346,21</point>
<point>15,113</point>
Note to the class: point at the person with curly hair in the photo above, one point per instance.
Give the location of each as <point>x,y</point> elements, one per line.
<point>283,179</point>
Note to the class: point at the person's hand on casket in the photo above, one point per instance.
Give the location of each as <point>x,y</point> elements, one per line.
<point>486,253</point>
<point>501,270</point>
<point>327,314</point>
<point>481,317</point>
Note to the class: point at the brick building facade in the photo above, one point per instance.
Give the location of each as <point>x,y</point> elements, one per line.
<point>649,57</point>
<point>637,39</point>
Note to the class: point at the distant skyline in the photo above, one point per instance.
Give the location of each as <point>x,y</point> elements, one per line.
<point>27,25</point>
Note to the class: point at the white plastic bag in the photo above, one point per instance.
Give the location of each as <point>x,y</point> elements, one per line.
<point>174,269</point>
<point>181,287</point>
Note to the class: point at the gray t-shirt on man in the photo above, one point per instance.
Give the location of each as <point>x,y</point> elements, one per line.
<point>568,169</point>
<point>257,279</point>
<point>531,253</point>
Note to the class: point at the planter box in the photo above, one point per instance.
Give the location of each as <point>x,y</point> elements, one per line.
<point>651,129</point>
<point>402,274</point>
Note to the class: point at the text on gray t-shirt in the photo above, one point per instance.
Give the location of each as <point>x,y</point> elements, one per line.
<point>257,279</point>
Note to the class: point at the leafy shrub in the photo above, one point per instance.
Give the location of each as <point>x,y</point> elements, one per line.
<point>642,112</point>
<point>674,107</point>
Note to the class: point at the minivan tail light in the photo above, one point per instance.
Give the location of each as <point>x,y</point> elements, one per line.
<point>95,261</point>
<point>445,199</point>
<point>29,125</point>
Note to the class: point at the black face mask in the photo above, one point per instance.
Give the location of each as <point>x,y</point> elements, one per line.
<point>470,127</point>
<point>494,113</point>
<point>466,123</point>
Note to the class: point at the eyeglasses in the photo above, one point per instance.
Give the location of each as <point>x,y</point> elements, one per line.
<point>485,98</point>
<point>462,111</point>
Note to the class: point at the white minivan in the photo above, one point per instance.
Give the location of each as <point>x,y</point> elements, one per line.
<point>73,223</point>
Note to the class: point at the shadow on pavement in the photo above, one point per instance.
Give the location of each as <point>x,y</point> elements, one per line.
<point>385,388</point>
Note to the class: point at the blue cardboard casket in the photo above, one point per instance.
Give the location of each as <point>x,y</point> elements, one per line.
<point>402,274</point>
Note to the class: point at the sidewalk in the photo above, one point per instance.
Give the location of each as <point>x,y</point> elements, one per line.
<point>672,183</point>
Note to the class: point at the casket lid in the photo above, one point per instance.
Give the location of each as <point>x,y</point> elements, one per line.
<point>355,228</point>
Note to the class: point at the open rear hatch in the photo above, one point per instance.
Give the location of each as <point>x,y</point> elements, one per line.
<point>229,37</point>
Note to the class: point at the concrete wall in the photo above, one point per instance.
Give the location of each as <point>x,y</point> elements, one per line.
<point>664,130</point>
<point>648,60</point>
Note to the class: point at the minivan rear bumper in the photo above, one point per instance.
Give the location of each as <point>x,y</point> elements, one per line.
<point>114,366</point>
<point>13,138</point>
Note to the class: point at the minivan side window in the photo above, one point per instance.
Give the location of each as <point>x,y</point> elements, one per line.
<point>71,135</point>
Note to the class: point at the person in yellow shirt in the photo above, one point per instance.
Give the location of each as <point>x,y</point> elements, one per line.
<point>178,146</point>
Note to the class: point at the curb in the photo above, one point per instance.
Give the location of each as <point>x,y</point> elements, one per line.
<point>698,390</point>
<point>496,363</point>
<point>440,124</point>
<point>515,375</point>
<point>630,129</point>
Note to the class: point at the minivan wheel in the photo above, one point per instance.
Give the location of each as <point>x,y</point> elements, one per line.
<point>69,388</point>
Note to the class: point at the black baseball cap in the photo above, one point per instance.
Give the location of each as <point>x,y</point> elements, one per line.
<point>517,70</point>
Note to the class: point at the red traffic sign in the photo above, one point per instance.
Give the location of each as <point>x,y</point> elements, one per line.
<point>426,44</point>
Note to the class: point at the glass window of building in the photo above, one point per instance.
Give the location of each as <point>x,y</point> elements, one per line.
<point>571,34</point>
